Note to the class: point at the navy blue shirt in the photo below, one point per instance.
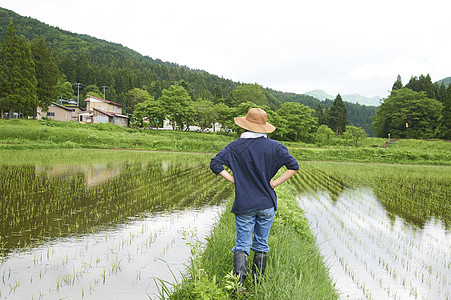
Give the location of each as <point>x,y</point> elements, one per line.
<point>254,162</point>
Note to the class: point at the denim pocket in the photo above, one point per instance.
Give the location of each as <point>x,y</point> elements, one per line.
<point>269,212</point>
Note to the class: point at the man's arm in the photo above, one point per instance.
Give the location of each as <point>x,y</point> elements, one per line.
<point>227,175</point>
<point>284,177</point>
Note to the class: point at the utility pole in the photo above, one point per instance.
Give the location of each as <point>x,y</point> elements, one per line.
<point>78,93</point>
<point>104,86</point>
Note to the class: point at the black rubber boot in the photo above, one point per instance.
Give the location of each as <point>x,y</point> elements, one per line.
<point>259,265</point>
<point>240,266</point>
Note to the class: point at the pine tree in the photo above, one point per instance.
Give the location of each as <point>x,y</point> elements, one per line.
<point>338,116</point>
<point>441,93</point>
<point>422,84</point>
<point>428,86</point>
<point>83,70</point>
<point>413,84</point>
<point>319,113</point>
<point>217,93</point>
<point>156,89</point>
<point>28,82</point>
<point>46,72</point>
<point>326,114</point>
<point>12,69</point>
<point>3,82</point>
<point>67,66</point>
<point>398,83</point>
<point>444,128</point>
<point>19,82</point>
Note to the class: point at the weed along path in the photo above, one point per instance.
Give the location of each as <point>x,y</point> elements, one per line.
<point>107,229</point>
<point>380,239</point>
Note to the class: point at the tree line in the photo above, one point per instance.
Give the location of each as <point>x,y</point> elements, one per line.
<point>419,109</point>
<point>120,74</point>
<point>49,77</point>
<point>294,121</point>
<point>30,77</point>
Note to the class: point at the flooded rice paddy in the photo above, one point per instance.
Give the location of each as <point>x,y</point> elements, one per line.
<point>381,239</point>
<point>103,230</point>
<point>112,226</point>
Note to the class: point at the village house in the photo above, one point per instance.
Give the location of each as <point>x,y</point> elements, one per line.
<point>99,110</point>
<point>60,112</point>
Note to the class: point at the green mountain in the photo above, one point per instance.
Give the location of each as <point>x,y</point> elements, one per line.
<point>351,98</point>
<point>91,61</point>
<point>446,81</point>
<point>358,115</point>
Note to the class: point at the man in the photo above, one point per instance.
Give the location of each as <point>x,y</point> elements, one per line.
<point>254,160</point>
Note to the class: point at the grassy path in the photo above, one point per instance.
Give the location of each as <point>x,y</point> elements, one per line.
<point>295,268</point>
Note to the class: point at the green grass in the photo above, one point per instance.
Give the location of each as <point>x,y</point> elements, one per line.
<point>295,267</point>
<point>53,135</point>
<point>50,157</point>
<point>28,134</point>
<point>403,151</point>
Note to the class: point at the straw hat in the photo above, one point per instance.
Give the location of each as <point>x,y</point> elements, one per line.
<point>255,121</point>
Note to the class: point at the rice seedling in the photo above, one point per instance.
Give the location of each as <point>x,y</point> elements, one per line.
<point>82,229</point>
<point>384,230</point>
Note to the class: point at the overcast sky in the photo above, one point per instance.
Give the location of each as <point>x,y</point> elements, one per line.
<point>346,46</point>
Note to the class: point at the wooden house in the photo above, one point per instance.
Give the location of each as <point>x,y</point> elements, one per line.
<point>56,112</point>
<point>99,110</point>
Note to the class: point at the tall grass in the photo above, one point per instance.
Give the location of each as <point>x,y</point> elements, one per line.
<point>295,268</point>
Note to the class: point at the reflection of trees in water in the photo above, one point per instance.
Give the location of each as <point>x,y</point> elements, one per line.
<point>415,200</point>
<point>38,204</point>
<point>311,179</point>
<point>409,195</point>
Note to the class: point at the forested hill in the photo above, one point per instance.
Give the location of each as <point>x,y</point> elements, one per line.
<point>446,81</point>
<point>95,62</point>
<point>358,115</point>
<point>91,61</point>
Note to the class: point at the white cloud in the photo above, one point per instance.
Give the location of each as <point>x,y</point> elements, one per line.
<point>405,65</point>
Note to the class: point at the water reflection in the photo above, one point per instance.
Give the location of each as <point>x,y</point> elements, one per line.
<point>94,174</point>
<point>102,230</point>
<point>43,203</point>
<point>372,256</point>
<point>119,263</point>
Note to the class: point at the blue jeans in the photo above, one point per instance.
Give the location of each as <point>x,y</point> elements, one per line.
<point>260,222</point>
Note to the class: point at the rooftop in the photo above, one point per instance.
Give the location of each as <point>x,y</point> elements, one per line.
<point>103,100</point>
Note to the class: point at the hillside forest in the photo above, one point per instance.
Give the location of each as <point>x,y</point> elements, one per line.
<point>40,64</point>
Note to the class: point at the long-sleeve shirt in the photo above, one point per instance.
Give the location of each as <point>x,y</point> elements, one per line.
<point>254,162</point>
